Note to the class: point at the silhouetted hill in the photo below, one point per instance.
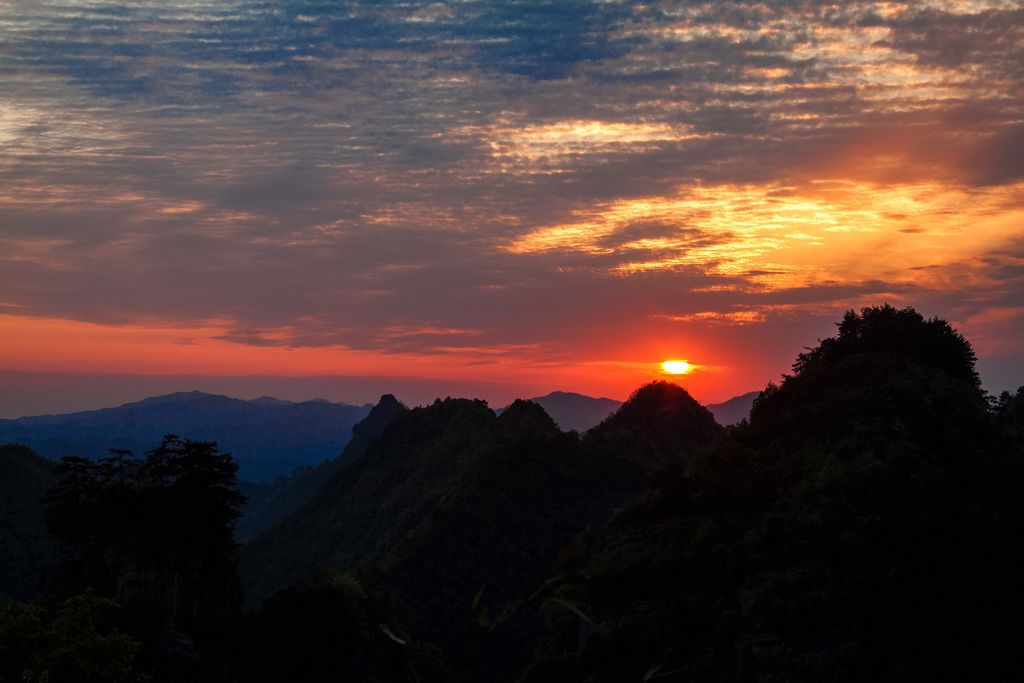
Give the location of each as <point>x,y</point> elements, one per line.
<point>580,412</point>
<point>862,526</point>
<point>735,409</point>
<point>267,437</point>
<point>26,549</point>
<point>269,504</point>
<point>372,501</point>
<point>454,507</point>
<point>570,410</point>
<point>657,427</point>
<point>576,411</point>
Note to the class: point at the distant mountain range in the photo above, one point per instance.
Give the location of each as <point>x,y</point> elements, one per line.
<point>270,503</point>
<point>735,409</point>
<point>268,437</point>
<point>577,411</point>
<point>574,411</point>
<point>286,451</point>
<point>267,504</point>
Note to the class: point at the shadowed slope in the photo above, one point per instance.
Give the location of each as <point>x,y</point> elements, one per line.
<point>26,550</point>
<point>290,493</point>
<point>459,512</point>
<point>860,527</point>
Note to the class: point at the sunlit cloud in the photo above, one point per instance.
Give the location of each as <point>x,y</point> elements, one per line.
<point>743,317</point>
<point>499,186</point>
<point>556,143</point>
<point>786,237</point>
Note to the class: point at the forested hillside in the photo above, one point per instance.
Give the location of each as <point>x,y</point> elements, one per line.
<point>269,504</point>
<point>862,525</point>
<point>26,550</point>
<point>859,528</point>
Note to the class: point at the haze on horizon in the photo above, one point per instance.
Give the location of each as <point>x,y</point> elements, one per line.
<point>496,198</point>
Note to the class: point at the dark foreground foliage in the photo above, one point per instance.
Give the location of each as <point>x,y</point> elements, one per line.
<point>862,525</point>
<point>330,627</point>
<point>73,642</point>
<point>155,535</point>
<point>26,550</point>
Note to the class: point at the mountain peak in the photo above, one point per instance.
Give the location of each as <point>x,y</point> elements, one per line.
<point>387,401</point>
<point>665,417</point>
<point>659,405</point>
<point>526,420</point>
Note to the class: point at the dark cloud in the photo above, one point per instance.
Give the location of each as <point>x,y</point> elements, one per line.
<point>999,158</point>
<point>990,38</point>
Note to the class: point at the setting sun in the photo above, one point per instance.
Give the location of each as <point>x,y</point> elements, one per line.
<point>676,367</point>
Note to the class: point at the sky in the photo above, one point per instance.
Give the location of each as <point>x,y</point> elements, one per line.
<point>493,197</point>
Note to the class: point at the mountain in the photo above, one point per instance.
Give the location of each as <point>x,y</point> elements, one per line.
<point>26,550</point>
<point>735,409</point>
<point>862,526</point>
<point>576,411</point>
<point>580,412</point>
<point>458,513</point>
<point>268,437</point>
<point>269,504</point>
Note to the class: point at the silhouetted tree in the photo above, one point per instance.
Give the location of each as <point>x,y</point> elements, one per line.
<point>862,526</point>
<point>156,535</point>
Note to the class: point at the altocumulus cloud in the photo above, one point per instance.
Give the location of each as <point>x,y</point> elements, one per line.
<point>318,173</point>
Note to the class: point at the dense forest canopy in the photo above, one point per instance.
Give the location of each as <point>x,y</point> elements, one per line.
<point>154,534</point>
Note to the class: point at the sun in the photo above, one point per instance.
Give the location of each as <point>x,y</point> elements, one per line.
<point>676,367</point>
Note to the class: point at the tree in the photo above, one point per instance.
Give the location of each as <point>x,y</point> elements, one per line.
<point>156,535</point>
<point>74,644</point>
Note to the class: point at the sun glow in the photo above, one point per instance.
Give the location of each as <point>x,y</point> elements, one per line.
<point>676,367</point>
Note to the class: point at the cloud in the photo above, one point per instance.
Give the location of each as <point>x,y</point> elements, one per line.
<point>533,175</point>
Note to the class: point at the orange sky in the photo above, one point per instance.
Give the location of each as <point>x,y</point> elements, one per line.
<point>478,198</point>
<point>51,345</point>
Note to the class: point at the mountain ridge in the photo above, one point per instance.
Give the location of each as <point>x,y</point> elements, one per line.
<point>268,438</point>
<point>268,507</point>
<point>573,410</point>
<point>443,503</point>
